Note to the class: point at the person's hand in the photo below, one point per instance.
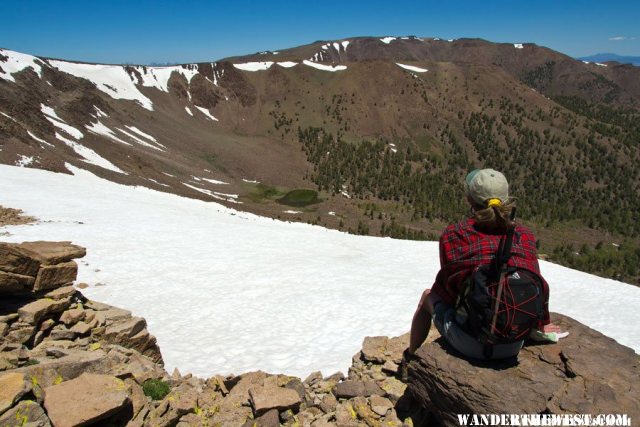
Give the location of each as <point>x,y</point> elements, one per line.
<point>551,328</point>
<point>549,333</point>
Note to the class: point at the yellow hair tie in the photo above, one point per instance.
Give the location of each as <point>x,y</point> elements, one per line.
<point>494,202</point>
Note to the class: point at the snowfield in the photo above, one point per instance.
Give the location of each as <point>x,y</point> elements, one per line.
<point>228,292</point>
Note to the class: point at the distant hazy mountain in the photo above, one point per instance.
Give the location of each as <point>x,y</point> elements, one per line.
<point>605,57</point>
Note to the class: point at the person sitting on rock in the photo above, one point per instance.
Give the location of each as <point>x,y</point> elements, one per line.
<point>465,246</point>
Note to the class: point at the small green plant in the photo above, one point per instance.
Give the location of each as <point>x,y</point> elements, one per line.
<point>262,192</point>
<point>156,389</point>
<point>299,198</point>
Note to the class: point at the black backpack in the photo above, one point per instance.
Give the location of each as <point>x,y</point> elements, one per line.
<point>500,304</point>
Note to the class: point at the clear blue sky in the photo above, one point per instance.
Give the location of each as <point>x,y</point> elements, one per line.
<point>145,31</point>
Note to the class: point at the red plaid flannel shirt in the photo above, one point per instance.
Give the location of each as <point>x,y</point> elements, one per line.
<point>463,248</point>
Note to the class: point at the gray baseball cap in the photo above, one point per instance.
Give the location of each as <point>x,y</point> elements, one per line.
<point>485,184</point>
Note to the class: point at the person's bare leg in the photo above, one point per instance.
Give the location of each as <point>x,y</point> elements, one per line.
<point>421,322</point>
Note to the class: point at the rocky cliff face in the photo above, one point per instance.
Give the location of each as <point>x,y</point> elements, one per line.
<point>69,361</point>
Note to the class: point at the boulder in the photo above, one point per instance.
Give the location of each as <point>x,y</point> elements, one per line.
<point>380,405</point>
<point>72,316</point>
<point>266,398</point>
<point>25,413</point>
<point>81,328</point>
<point>17,259</point>
<point>85,400</point>
<point>54,276</point>
<point>586,372</point>
<point>384,349</point>
<point>270,418</point>
<point>350,388</point>
<point>51,253</point>
<point>112,314</point>
<point>20,332</point>
<point>38,310</point>
<point>181,401</point>
<point>132,334</point>
<point>15,284</point>
<point>12,387</point>
<point>60,333</point>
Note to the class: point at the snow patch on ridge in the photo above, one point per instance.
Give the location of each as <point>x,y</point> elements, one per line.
<point>99,128</point>
<point>16,62</point>
<point>219,196</point>
<point>188,110</point>
<point>40,140</point>
<point>90,156</point>
<point>412,68</point>
<point>518,45</point>
<point>387,40</point>
<point>111,79</point>
<point>24,161</point>
<point>254,66</point>
<point>8,117</point>
<point>139,140</point>
<point>158,77</point>
<point>206,112</point>
<point>215,181</point>
<point>141,133</point>
<point>51,115</point>
<point>325,67</point>
<point>287,64</point>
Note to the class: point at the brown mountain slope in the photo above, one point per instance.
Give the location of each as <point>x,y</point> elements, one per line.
<point>566,132</point>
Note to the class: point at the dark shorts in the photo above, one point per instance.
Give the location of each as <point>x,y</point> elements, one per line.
<point>444,319</point>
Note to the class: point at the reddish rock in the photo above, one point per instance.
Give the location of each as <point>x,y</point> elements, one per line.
<point>349,389</point>
<point>12,387</point>
<point>85,400</point>
<point>264,399</point>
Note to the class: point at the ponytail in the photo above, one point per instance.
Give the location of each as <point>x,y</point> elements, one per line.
<point>496,217</point>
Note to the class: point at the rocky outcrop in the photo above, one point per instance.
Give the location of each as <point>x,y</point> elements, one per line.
<point>585,373</point>
<point>33,267</point>
<point>69,361</point>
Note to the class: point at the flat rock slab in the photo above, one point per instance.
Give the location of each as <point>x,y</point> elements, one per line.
<point>61,293</point>
<point>585,373</point>
<point>71,365</point>
<point>85,400</point>
<point>266,398</point>
<point>350,389</point>
<point>38,310</point>
<point>50,253</point>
